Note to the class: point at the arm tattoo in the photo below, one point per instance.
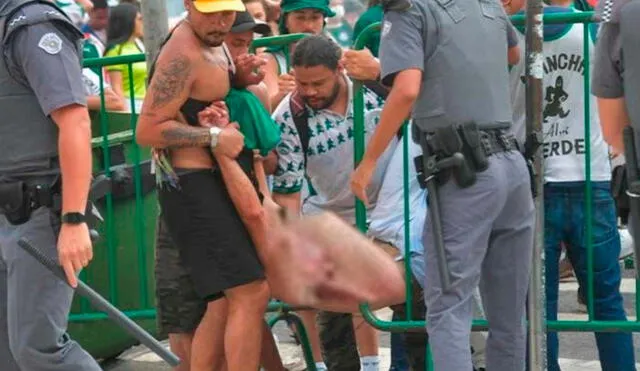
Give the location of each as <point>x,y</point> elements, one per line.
<point>170,80</point>
<point>184,136</point>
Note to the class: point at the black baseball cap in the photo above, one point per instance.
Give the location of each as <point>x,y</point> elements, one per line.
<point>245,22</point>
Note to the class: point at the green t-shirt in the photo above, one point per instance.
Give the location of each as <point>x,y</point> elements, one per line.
<point>371,16</point>
<point>259,130</point>
<point>343,34</point>
<point>139,69</point>
<point>90,51</point>
<point>73,10</point>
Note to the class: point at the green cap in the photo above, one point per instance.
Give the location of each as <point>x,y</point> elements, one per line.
<point>288,6</point>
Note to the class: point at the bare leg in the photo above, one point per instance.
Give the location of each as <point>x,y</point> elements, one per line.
<point>247,303</point>
<point>308,318</point>
<point>270,357</point>
<point>245,325</point>
<point>180,345</point>
<point>207,349</point>
<point>366,336</point>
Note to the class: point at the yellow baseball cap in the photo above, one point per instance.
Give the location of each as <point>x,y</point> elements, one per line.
<point>213,6</point>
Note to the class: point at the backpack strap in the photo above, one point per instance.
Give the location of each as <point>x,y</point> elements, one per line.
<point>381,91</point>
<point>300,116</point>
<point>376,87</point>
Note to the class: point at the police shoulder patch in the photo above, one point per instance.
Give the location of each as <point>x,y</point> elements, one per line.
<point>50,43</point>
<point>386,27</point>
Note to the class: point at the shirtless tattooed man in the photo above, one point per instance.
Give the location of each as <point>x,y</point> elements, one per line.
<point>193,70</point>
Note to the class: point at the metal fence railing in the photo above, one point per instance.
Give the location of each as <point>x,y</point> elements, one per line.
<point>121,269</point>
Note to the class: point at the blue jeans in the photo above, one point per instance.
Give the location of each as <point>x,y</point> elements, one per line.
<point>398,350</point>
<point>565,221</point>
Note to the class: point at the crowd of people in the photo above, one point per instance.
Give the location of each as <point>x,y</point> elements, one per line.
<point>236,134</point>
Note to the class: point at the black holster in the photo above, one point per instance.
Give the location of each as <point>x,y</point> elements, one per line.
<point>531,145</point>
<point>619,193</point>
<point>466,143</point>
<point>18,199</point>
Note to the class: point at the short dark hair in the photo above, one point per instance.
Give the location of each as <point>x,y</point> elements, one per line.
<point>100,4</point>
<point>317,50</point>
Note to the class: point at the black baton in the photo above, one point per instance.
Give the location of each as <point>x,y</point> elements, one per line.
<point>438,238</point>
<point>103,305</point>
<point>431,166</point>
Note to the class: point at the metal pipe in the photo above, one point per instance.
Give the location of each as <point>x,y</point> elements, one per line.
<point>156,26</point>
<point>277,40</point>
<point>482,325</point>
<point>99,316</point>
<point>534,73</point>
<point>557,18</point>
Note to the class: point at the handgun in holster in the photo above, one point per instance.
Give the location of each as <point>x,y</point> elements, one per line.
<point>458,151</point>
<point>443,156</point>
<point>531,145</point>
<point>19,198</point>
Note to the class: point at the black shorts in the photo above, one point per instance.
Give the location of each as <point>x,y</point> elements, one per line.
<point>215,247</point>
<point>180,309</point>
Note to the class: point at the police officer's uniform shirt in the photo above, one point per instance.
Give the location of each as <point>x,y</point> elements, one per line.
<point>329,156</point>
<point>415,38</point>
<point>46,57</point>
<point>564,146</point>
<point>402,45</point>
<point>607,79</point>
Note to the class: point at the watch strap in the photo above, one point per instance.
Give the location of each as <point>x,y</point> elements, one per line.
<point>73,218</point>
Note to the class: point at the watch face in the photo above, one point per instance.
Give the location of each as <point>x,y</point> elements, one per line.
<point>214,136</point>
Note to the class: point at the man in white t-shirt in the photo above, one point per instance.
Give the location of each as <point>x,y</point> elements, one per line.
<point>565,152</point>
<point>112,102</point>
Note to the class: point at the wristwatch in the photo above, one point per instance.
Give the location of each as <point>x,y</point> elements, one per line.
<point>214,132</point>
<point>73,218</point>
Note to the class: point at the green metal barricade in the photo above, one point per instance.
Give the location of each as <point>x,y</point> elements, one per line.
<point>124,255</point>
<point>589,325</point>
<point>122,267</point>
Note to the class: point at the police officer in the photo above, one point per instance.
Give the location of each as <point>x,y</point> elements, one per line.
<point>448,57</point>
<point>45,141</point>
<point>616,84</point>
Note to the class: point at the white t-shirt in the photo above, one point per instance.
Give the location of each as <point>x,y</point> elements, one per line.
<point>92,82</point>
<point>387,218</point>
<point>564,146</point>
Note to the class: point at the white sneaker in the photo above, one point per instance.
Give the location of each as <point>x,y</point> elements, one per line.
<point>292,357</point>
<point>626,243</point>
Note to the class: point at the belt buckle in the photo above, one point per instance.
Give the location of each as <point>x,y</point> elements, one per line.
<point>485,142</point>
<point>504,141</point>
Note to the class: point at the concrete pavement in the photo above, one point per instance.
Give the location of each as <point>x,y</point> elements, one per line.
<point>578,350</point>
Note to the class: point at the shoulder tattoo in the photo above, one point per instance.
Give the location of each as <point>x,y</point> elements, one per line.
<point>170,80</point>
